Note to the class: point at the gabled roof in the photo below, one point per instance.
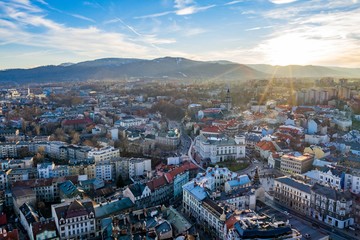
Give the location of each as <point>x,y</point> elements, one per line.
<point>137,189</point>
<point>156,183</point>
<point>266,146</point>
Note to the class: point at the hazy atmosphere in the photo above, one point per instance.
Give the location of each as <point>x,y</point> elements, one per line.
<point>283,32</point>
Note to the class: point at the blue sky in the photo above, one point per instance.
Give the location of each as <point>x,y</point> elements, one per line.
<point>44,32</point>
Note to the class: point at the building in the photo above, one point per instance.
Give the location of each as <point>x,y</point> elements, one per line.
<point>131,167</point>
<point>327,177</point>
<point>178,177</point>
<point>218,148</point>
<point>161,190</point>
<point>139,194</point>
<point>45,229</point>
<point>104,154</point>
<point>201,197</point>
<point>296,163</point>
<point>246,224</point>
<point>170,138</point>
<point>74,219</point>
<point>352,181</point>
<point>104,171</point>
<point>331,206</point>
<point>28,216</point>
<point>293,194</point>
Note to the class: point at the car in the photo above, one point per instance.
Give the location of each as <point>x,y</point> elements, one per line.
<point>286,213</point>
<point>307,236</point>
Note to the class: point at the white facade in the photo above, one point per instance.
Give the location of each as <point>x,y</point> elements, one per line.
<point>324,178</point>
<point>316,139</point>
<point>72,224</point>
<point>137,166</point>
<point>352,181</point>
<point>104,171</point>
<point>104,154</point>
<point>220,148</point>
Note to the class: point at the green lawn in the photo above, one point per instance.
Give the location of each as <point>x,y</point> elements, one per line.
<point>233,165</point>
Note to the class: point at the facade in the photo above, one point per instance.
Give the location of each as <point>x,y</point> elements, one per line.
<point>170,138</point>
<point>104,154</point>
<point>161,190</point>
<point>329,176</point>
<point>220,148</point>
<point>131,167</point>
<point>104,171</point>
<point>352,181</point>
<point>74,220</point>
<point>139,194</point>
<point>296,163</point>
<point>293,194</point>
<point>331,206</point>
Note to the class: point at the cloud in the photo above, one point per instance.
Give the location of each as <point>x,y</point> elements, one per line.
<point>154,15</point>
<point>192,9</point>
<point>83,41</point>
<point>182,8</point>
<point>282,1</point>
<point>82,17</point>
<point>234,2</point>
<point>258,28</point>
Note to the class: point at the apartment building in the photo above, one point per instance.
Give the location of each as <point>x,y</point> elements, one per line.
<point>75,219</point>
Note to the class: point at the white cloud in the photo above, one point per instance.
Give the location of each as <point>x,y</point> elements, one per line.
<point>87,41</point>
<point>282,1</point>
<point>193,9</point>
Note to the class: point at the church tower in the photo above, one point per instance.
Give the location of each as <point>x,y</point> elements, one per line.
<point>228,100</point>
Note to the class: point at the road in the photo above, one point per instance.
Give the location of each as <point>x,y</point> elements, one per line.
<point>335,233</point>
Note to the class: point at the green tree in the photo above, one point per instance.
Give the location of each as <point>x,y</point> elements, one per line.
<point>120,182</point>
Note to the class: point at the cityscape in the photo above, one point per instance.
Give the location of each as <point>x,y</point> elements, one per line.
<point>113,125</point>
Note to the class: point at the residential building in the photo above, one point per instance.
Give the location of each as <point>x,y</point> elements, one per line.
<point>104,154</point>
<point>328,176</point>
<point>75,219</point>
<point>139,194</point>
<point>45,229</point>
<point>331,206</point>
<point>293,194</point>
<point>104,171</point>
<point>296,163</point>
<point>161,190</point>
<point>28,217</point>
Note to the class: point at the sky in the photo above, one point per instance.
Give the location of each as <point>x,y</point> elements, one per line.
<point>277,32</point>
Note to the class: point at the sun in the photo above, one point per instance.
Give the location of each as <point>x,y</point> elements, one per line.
<point>292,49</point>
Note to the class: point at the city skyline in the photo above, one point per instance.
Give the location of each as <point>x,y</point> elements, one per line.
<point>277,32</point>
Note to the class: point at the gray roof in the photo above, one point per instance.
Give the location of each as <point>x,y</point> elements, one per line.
<point>330,193</point>
<point>295,184</point>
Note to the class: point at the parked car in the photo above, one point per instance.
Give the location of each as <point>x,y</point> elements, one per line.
<point>307,236</point>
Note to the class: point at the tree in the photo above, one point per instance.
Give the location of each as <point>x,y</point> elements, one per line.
<point>120,182</point>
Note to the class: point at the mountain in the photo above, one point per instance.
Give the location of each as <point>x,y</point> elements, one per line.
<point>306,71</point>
<point>167,68</point>
<point>122,68</point>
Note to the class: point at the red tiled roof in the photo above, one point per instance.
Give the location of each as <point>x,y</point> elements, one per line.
<point>266,146</point>
<point>156,183</point>
<point>211,129</point>
<point>172,174</point>
<point>230,222</point>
